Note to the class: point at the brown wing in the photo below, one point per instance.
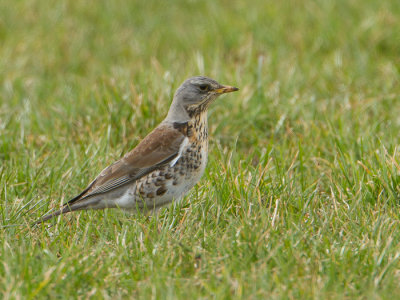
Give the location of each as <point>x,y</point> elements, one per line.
<point>158,148</point>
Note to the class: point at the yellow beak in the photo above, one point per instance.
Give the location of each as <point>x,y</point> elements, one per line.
<point>226,89</point>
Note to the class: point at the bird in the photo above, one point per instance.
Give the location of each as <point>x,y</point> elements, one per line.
<point>165,165</point>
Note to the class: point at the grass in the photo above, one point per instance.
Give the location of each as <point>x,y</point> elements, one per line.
<point>300,199</point>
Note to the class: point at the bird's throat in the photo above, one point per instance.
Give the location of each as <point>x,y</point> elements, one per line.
<point>198,126</point>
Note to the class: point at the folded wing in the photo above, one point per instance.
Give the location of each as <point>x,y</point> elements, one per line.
<point>159,148</point>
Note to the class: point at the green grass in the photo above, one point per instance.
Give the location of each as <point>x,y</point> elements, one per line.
<point>300,199</point>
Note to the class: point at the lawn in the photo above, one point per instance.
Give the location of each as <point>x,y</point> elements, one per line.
<point>300,198</point>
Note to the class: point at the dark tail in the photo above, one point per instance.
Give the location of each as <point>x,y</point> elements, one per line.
<point>51,215</point>
<point>66,208</point>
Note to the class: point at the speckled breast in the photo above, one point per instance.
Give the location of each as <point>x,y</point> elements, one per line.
<point>172,182</point>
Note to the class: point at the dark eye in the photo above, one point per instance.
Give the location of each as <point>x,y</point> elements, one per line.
<point>203,87</point>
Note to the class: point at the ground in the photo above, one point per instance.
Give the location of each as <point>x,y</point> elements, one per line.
<point>300,198</point>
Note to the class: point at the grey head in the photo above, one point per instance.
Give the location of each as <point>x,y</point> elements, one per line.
<point>195,95</point>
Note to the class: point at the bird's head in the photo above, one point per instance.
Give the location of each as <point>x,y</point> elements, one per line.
<point>195,95</point>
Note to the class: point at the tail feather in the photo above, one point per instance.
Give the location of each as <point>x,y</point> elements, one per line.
<point>77,204</point>
<point>64,210</point>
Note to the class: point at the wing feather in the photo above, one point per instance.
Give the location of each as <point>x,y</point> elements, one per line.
<point>160,147</point>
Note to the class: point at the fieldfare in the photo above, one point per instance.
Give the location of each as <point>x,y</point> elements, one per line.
<point>165,165</point>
